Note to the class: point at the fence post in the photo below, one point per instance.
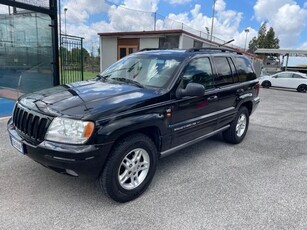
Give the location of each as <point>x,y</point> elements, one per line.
<point>55,42</point>
<point>82,78</point>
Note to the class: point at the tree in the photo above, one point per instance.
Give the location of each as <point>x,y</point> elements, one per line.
<point>265,39</point>
<point>64,52</point>
<point>271,41</point>
<point>76,55</point>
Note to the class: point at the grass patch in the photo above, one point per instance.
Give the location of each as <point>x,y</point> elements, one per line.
<point>73,76</point>
<point>89,75</point>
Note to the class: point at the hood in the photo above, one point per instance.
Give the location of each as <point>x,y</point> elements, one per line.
<point>88,98</point>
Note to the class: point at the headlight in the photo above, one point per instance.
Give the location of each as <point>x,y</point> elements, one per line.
<point>70,131</point>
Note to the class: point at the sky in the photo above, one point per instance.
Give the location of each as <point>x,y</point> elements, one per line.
<point>86,18</point>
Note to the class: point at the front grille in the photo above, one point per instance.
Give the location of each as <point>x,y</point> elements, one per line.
<point>31,125</point>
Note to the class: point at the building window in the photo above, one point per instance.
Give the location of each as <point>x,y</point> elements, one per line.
<point>197,44</point>
<point>169,42</point>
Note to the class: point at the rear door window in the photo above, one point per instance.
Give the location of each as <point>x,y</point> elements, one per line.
<point>224,73</point>
<point>233,70</point>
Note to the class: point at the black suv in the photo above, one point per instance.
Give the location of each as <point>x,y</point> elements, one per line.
<point>145,106</point>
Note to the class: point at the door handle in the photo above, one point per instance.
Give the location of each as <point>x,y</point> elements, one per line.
<point>212,98</point>
<point>240,90</point>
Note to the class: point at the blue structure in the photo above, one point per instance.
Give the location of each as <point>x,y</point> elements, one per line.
<point>6,107</point>
<point>28,49</point>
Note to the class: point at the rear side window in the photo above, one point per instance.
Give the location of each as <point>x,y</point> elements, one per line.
<point>234,71</point>
<point>297,76</point>
<point>245,69</point>
<point>284,75</point>
<point>224,73</point>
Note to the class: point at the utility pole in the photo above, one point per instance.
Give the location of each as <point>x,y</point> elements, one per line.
<point>65,10</point>
<point>246,31</point>
<point>213,12</point>
<point>60,12</point>
<point>155,20</point>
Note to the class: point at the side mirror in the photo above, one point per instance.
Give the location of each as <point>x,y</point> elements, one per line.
<point>192,89</point>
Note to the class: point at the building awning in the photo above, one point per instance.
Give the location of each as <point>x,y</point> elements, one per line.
<point>290,52</point>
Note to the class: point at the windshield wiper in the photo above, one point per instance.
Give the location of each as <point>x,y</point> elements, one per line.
<point>99,77</point>
<point>108,74</point>
<point>126,80</point>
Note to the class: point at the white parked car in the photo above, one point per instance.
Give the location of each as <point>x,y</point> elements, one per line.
<point>287,79</point>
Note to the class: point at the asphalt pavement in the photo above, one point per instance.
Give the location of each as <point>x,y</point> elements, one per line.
<point>258,184</point>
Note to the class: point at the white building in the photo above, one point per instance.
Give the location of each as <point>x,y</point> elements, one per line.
<point>116,45</point>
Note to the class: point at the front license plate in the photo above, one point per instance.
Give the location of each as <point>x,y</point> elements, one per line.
<point>17,145</point>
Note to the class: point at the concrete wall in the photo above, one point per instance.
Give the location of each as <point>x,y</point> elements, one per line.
<point>208,45</point>
<point>108,52</point>
<point>149,43</point>
<point>186,42</point>
<point>257,66</point>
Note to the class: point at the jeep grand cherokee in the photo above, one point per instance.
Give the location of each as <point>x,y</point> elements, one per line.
<point>145,106</point>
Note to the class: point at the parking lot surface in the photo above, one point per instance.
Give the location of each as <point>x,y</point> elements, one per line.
<point>258,184</point>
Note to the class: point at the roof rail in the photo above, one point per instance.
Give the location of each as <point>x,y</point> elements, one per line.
<point>148,49</point>
<point>223,50</point>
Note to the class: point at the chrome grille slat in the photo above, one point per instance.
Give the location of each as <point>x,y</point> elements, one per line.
<point>19,116</point>
<point>35,127</point>
<point>30,124</point>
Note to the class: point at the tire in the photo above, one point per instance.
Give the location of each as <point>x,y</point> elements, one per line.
<point>238,127</point>
<point>129,169</point>
<point>266,84</point>
<point>302,88</point>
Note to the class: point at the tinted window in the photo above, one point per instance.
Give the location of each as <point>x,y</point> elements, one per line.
<point>297,76</point>
<point>223,70</point>
<point>245,69</point>
<point>199,71</point>
<point>284,75</point>
<point>234,71</point>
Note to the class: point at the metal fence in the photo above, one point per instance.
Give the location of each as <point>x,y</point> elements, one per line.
<point>71,59</point>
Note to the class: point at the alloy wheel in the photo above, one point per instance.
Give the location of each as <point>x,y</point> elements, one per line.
<point>241,125</point>
<point>133,168</point>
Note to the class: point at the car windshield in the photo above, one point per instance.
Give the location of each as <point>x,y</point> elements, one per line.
<point>142,70</point>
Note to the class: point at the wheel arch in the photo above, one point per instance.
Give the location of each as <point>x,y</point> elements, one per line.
<point>266,81</point>
<point>153,132</point>
<point>301,85</point>
<point>248,105</point>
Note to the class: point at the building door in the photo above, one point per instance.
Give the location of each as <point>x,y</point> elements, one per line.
<point>123,51</point>
<point>126,46</point>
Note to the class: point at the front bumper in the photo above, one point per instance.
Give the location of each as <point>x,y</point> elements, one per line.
<point>256,102</point>
<point>77,160</point>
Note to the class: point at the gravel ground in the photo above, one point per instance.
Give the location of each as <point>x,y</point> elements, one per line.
<point>258,184</point>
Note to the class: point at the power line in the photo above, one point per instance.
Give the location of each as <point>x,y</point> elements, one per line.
<point>127,8</point>
<point>155,16</point>
<point>182,25</point>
